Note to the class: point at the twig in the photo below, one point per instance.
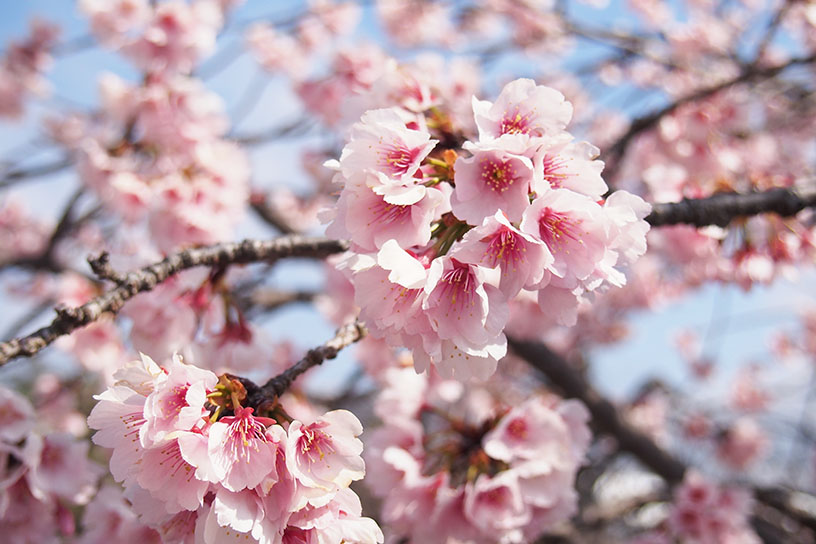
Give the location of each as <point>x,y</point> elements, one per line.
<point>345,336</point>
<point>271,216</point>
<point>249,99</point>
<point>296,128</point>
<point>17,175</point>
<point>258,396</point>
<point>771,29</point>
<point>145,279</point>
<point>102,268</point>
<point>271,299</point>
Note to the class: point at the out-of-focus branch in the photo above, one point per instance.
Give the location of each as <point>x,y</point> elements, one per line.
<point>771,29</point>
<point>751,73</point>
<point>17,175</point>
<point>271,216</point>
<point>720,209</point>
<point>65,225</point>
<point>607,420</point>
<point>145,279</point>
<point>271,299</point>
<point>296,128</point>
<point>605,415</point>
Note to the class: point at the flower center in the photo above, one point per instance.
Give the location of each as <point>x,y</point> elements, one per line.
<point>396,159</point>
<point>504,247</point>
<point>497,175</point>
<point>556,229</point>
<point>552,166</point>
<point>384,212</point>
<point>315,444</point>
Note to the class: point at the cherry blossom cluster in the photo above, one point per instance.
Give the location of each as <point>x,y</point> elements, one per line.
<point>159,157</point>
<point>705,513</point>
<point>444,237</point>
<point>43,473</point>
<point>22,66</point>
<point>713,146</point>
<point>534,25</point>
<point>199,467</point>
<point>291,52</point>
<point>21,235</point>
<point>158,36</point>
<point>453,460</point>
<point>155,153</point>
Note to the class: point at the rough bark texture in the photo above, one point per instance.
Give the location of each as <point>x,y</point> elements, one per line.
<point>145,279</point>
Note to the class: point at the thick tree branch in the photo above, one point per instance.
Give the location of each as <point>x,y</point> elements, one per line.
<point>604,414</point>
<point>145,279</point>
<point>607,420</point>
<point>720,209</point>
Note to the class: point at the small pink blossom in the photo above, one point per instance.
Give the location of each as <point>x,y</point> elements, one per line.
<point>243,449</point>
<point>531,430</point>
<point>382,142</point>
<point>573,228</point>
<point>521,259</point>
<point>369,220</point>
<point>496,503</point>
<point>16,416</point>
<point>324,456</point>
<point>176,404</point>
<point>569,165</point>
<point>490,180</point>
<point>58,464</point>
<point>524,108</point>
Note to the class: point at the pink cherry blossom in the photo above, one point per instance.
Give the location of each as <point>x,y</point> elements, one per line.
<point>324,455</point>
<point>569,165</point>
<point>369,220</point>
<point>522,259</point>
<point>459,303</point>
<point>243,449</point>
<point>16,416</point>
<point>531,430</point>
<point>491,180</point>
<point>382,142</point>
<point>522,108</point>
<point>573,228</point>
<point>177,403</point>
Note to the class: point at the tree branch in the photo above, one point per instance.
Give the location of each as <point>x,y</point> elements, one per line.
<point>345,336</point>
<point>145,279</point>
<point>606,418</point>
<point>720,209</point>
<point>14,176</point>
<point>714,210</point>
<point>604,414</point>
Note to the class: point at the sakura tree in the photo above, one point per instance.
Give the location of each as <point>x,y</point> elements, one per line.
<point>481,198</point>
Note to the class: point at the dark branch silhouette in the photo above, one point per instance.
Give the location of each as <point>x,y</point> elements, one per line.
<point>720,209</point>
